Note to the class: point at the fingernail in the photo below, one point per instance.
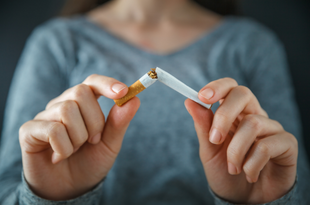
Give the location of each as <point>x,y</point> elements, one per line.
<point>207,93</point>
<point>215,136</point>
<point>117,87</point>
<point>96,138</point>
<point>232,169</point>
<point>249,179</point>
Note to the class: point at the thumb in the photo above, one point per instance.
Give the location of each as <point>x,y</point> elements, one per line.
<point>202,120</point>
<point>117,123</point>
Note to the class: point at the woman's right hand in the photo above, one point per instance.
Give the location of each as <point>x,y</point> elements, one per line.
<point>68,148</point>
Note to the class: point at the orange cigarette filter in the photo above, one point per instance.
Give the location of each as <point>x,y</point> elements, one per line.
<point>133,90</point>
<point>136,88</point>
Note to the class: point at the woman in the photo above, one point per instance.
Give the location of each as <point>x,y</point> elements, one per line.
<point>247,148</point>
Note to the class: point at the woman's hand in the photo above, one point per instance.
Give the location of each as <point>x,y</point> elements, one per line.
<point>69,148</point>
<point>247,157</point>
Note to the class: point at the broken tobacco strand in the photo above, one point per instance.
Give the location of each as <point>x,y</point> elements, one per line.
<point>133,90</point>
<point>153,73</point>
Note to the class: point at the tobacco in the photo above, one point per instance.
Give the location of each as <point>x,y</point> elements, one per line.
<point>152,73</point>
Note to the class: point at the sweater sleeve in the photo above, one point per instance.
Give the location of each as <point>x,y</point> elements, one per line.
<point>41,75</point>
<point>27,197</point>
<point>291,198</point>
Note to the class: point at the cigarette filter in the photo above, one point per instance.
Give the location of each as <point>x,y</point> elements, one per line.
<point>133,90</point>
<point>178,86</point>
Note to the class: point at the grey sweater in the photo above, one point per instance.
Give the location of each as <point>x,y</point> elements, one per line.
<point>159,161</point>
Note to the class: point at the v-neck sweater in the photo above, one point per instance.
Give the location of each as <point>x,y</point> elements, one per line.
<point>159,160</point>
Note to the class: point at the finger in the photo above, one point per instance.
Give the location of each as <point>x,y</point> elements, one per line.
<point>216,90</point>
<point>36,136</point>
<point>89,108</point>
<point>281,148</point>
<point>251,127</point>
<point>68,113</point>
<point>99,85</point>
<point>202,120</point>
<point>117,123</point>
<point>240,99</point>
<point>106,86</point>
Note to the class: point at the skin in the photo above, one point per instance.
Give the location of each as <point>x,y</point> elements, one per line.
<point>160,27</point>
<point>247,157</point>
<point>68,148</point>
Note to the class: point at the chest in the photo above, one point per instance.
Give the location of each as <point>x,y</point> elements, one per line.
<point>160,39</point>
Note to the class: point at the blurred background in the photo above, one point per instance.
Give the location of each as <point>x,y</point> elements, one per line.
<point>289,19</point>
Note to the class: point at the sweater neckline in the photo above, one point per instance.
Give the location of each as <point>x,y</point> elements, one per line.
<point>195,43</point>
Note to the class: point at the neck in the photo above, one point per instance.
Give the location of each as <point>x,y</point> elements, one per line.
<point>152,11</point>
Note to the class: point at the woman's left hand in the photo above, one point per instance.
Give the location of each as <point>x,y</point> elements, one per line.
<point>247,157</point>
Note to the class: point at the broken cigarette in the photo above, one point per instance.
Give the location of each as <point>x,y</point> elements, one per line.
<point>165,78</point>
<point>136,88</point>
<point>178,86</point>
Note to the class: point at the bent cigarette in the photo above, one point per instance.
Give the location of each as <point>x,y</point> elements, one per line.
<point>136,88</point>
<point>165,78</point>
<point>178,86</point>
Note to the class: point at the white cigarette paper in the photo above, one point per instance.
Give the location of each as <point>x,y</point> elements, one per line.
<point>146,80</point>
<point>178,86</point>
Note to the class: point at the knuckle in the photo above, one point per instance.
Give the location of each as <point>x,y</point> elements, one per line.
<point>244,90</point>
<point>295,147</point>
<point>23,128</point>
<point>293,140</point>
<point>253,121</point>
<point>277,124</point>
<point>55,129</point>
<point>231,81</point>
<point>38,116</point>
<point>54,133</point>
<point>22,132</point>
<point>91,77</point>
<point>67,107</point>
<point>233,154</point>
<point>50,103</point>
<point>263,148</point>
<point>80,91</point>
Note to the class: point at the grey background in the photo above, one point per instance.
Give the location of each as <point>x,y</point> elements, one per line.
<point>288,18</point>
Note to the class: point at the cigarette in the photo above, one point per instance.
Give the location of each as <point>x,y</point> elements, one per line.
<point>178,86</point>
<point>136,88</point>
<point>165,78</point>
